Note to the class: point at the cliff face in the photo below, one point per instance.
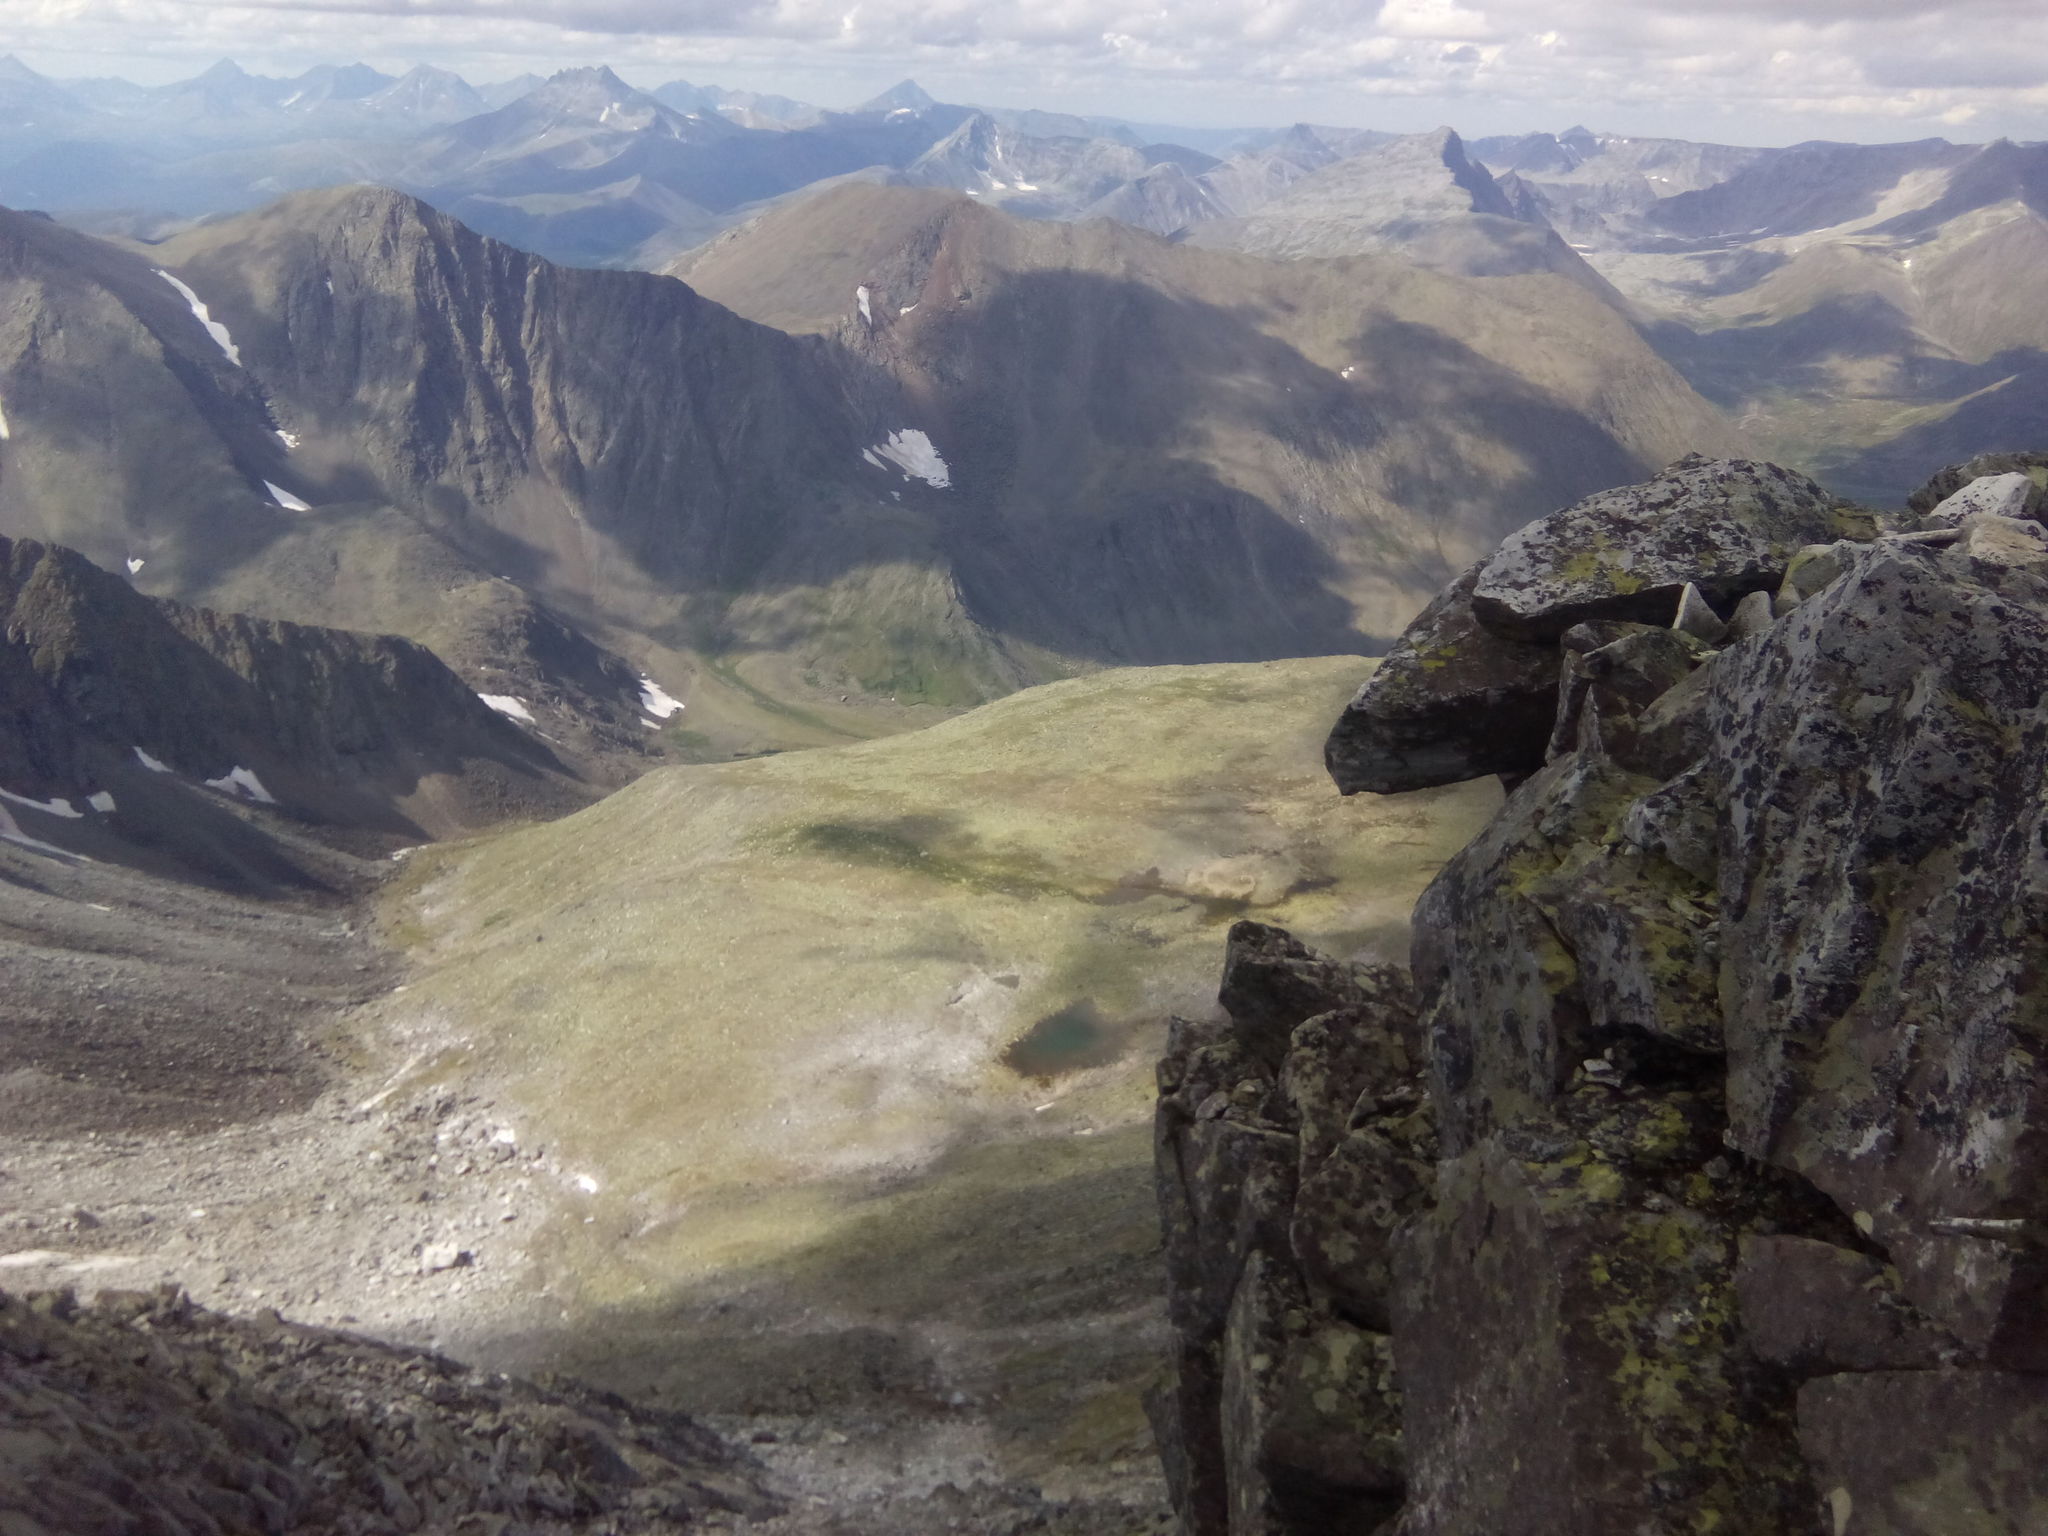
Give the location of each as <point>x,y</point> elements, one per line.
<point>1695,1181</point>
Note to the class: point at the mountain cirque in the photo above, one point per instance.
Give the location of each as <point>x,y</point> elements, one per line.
<point>1700,1158</point>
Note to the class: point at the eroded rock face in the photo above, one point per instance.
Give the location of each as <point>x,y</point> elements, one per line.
<point>1728,1034</point>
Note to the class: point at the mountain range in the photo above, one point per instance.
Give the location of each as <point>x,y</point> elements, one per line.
<point>887,448</point>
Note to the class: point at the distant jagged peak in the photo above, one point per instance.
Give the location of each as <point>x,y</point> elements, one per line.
<point>588,75</point>
<point>343,82</point>
<point>904,96</point>
<point>11,68</point>
<point>222,72</point>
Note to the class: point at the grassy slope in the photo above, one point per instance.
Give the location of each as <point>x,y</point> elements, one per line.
<point>766,1005</point>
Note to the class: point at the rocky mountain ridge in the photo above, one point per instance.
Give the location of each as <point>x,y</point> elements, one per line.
<point>423,430</point>
<point>121,710</point>
<point>1698,1156</point>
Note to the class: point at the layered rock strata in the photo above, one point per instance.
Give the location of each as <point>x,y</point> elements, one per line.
<point>1697,1179</point>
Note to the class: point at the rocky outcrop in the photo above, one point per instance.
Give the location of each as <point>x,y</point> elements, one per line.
<point>1291,1141</point>
<point>147,1413</point>
<point>1470,688</point>
<point>1726,1031</point>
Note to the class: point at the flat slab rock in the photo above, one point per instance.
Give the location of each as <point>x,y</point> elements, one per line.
<point>1729,526</point>
<point>1451,702</point>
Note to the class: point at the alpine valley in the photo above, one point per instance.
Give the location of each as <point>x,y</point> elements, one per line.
<point>624,714</point>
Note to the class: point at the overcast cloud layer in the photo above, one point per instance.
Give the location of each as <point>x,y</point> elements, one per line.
<point>1744,71</point>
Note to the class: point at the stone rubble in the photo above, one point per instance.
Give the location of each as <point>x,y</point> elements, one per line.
<point>146,1414</point>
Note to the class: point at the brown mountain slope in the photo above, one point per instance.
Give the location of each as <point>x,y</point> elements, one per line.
<point>1324,437</point>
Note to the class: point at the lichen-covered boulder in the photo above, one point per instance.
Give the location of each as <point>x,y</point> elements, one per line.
<point>1733,1155</point>
<point>1272,983</point>
<point>1504,1012</point>
<point>2004,540</point>
<point>2012,495</point>
<point>1881,769</point>
<point>1623,668</point>
<point>1450,702</point>
<point>1952,478</point>
<point>1728,526</point>
<point>1279,1416</point>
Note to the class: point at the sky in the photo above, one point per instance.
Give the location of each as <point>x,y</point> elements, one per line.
<point>1727,71</point>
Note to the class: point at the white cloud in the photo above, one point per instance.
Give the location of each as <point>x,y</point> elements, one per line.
<point>1729,68</point>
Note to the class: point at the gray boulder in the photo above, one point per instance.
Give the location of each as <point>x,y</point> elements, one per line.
<point>1452,701</point>
<point>2012,495</point>
<point>1727,526</point>
<point>1952,478</point>
<point>1880,770</point>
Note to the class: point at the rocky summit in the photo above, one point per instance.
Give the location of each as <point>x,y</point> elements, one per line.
<point>1699,1154</point>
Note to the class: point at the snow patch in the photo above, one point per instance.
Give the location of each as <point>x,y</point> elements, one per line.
<point>655,700</point>
<point>906,309</point>
<point>972,193</point>
<point>1027,186</point>
<point>869,455</point>
<point>330,285</point>
<point>151,763</point>
<point>506,705</point>
<point>214,328</point>
<point>1349,370</point>
<point>62,808</point>
<point>586,1183</point>
<point>286,499</point>
<point>295,96</point>
<point>240,781</point>
<point>101,802</point>
<point>5,434</point>
<point>866,313</point>
<point>903,112</point>
<point>289,439</point>
<point>912,452</point>
<point>1000,186</point>
<point>135,563</point>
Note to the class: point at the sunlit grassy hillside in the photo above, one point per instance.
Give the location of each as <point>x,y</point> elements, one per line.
<point>831,1016</point>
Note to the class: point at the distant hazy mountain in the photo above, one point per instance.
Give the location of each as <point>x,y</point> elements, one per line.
<point>1420,197</point>
<point>1866,310</point>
